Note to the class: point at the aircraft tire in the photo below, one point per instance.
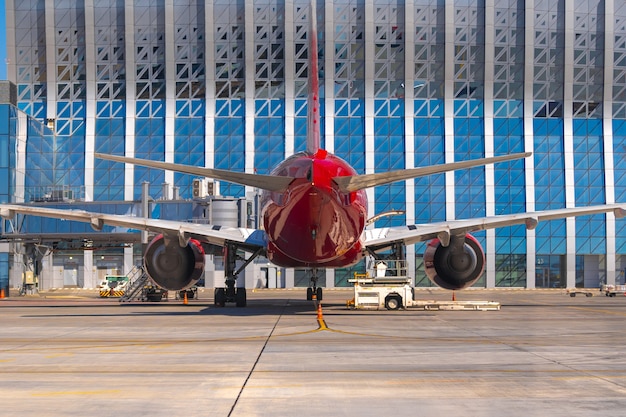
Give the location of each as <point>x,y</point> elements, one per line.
<point>309,294</point>
<point>319,293</point>
<point>220,297</point>
<point>241,299</point>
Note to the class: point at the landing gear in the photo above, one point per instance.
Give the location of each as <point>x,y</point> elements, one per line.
<point>239,298</point>
<point>220,297</point>
<point>232,294</point>
<point>314,290</point>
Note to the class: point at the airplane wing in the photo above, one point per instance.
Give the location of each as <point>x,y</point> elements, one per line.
<point>410,234</point>
<point>212,234</point>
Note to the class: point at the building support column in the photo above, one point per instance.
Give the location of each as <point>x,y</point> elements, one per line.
<point>250,72</point>
<point>529,141</point>
<point>89,272</point>
<point>568,144</point>
<point>409,126</point>
<point>131,106</point>
<point>490,253</point>
<point>370,146</point>
<point>170,93</point>
<point>448,105</point>
<point>290,100</point>
<point>607,127</point>
<point>90,102</point>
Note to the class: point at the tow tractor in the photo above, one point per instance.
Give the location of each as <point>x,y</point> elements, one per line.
<point>113,286</point>
<point>388,286</point>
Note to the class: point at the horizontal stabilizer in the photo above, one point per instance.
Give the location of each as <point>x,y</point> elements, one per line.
<point>359,182</point>
<point>265,182</point>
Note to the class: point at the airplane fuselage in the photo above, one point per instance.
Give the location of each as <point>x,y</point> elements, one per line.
<point>312,223</point>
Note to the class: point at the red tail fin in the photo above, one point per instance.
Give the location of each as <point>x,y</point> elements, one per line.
<point>313,104</point>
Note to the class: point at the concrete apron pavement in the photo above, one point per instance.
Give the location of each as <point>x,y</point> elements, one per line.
<point>543,354</point>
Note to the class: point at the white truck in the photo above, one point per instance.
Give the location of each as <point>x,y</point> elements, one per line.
<point>388,286</point>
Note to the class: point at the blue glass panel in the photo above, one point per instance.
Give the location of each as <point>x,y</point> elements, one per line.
<point>189,150</point>
<point>230,141</point>
<point>430,191</point>
<point>4,270</point>
<point>4,120</point>
<point>350,133</point>
<point>4,150</point>
<point>551,237</point>
<point>470,183</point>
<point>149,144</point>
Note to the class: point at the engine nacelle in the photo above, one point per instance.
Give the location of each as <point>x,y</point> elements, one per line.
<point>456,266</point>
<point>174,267</point>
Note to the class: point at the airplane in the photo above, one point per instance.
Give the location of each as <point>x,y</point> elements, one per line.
<point>314,215</point>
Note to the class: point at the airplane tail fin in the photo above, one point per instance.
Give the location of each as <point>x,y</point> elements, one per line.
<point>313,103</point>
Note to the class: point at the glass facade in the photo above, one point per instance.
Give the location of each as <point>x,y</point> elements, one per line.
<point>404,84</point>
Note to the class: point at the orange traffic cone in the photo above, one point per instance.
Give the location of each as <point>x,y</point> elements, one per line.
<point>2,295</point>
<point>185,299</point>
<point>453,296</point>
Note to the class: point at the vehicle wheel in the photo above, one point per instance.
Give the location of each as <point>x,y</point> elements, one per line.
<point>240,297</point>
<point>309,294</point>
<point>589,294</point>
<point>572,294</point>
<point>319,294</point>
<point>220,297</point>
<point>392,303</point>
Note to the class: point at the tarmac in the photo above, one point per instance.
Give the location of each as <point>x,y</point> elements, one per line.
<point>70,353</point>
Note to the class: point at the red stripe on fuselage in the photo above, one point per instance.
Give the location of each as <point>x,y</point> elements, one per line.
<point>312,224</point>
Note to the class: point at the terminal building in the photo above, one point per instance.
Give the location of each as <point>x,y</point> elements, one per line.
<point>404,84</point>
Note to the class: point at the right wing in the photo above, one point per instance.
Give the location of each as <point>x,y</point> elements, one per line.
<point>213,234</point>
<point>410,234</point>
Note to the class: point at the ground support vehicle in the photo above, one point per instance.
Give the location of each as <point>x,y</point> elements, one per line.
<point>575,291</point>
<point>192,293</point>
<point>613,290</point>
<point>153,293</point>
<point>113,286</point>
<point>395,292</point>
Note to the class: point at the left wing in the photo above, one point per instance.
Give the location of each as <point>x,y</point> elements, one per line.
<point>410,234</point>
<point>213,234</point>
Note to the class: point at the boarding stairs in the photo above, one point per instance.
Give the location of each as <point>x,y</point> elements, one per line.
<point>138,278</point>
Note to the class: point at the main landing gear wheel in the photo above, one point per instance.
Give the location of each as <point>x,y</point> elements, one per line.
<point>241,298</point>
<point>220,297</point>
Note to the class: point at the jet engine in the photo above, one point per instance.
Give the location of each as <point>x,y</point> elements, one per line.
<point>457,265</point>
<point>172,266</point>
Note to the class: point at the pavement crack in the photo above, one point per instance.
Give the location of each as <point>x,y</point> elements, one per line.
<point>258,358</point>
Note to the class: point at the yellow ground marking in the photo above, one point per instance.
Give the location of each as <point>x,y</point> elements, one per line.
<point>59,355</point>
<point>597,310</point>
<point>68,393</point>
